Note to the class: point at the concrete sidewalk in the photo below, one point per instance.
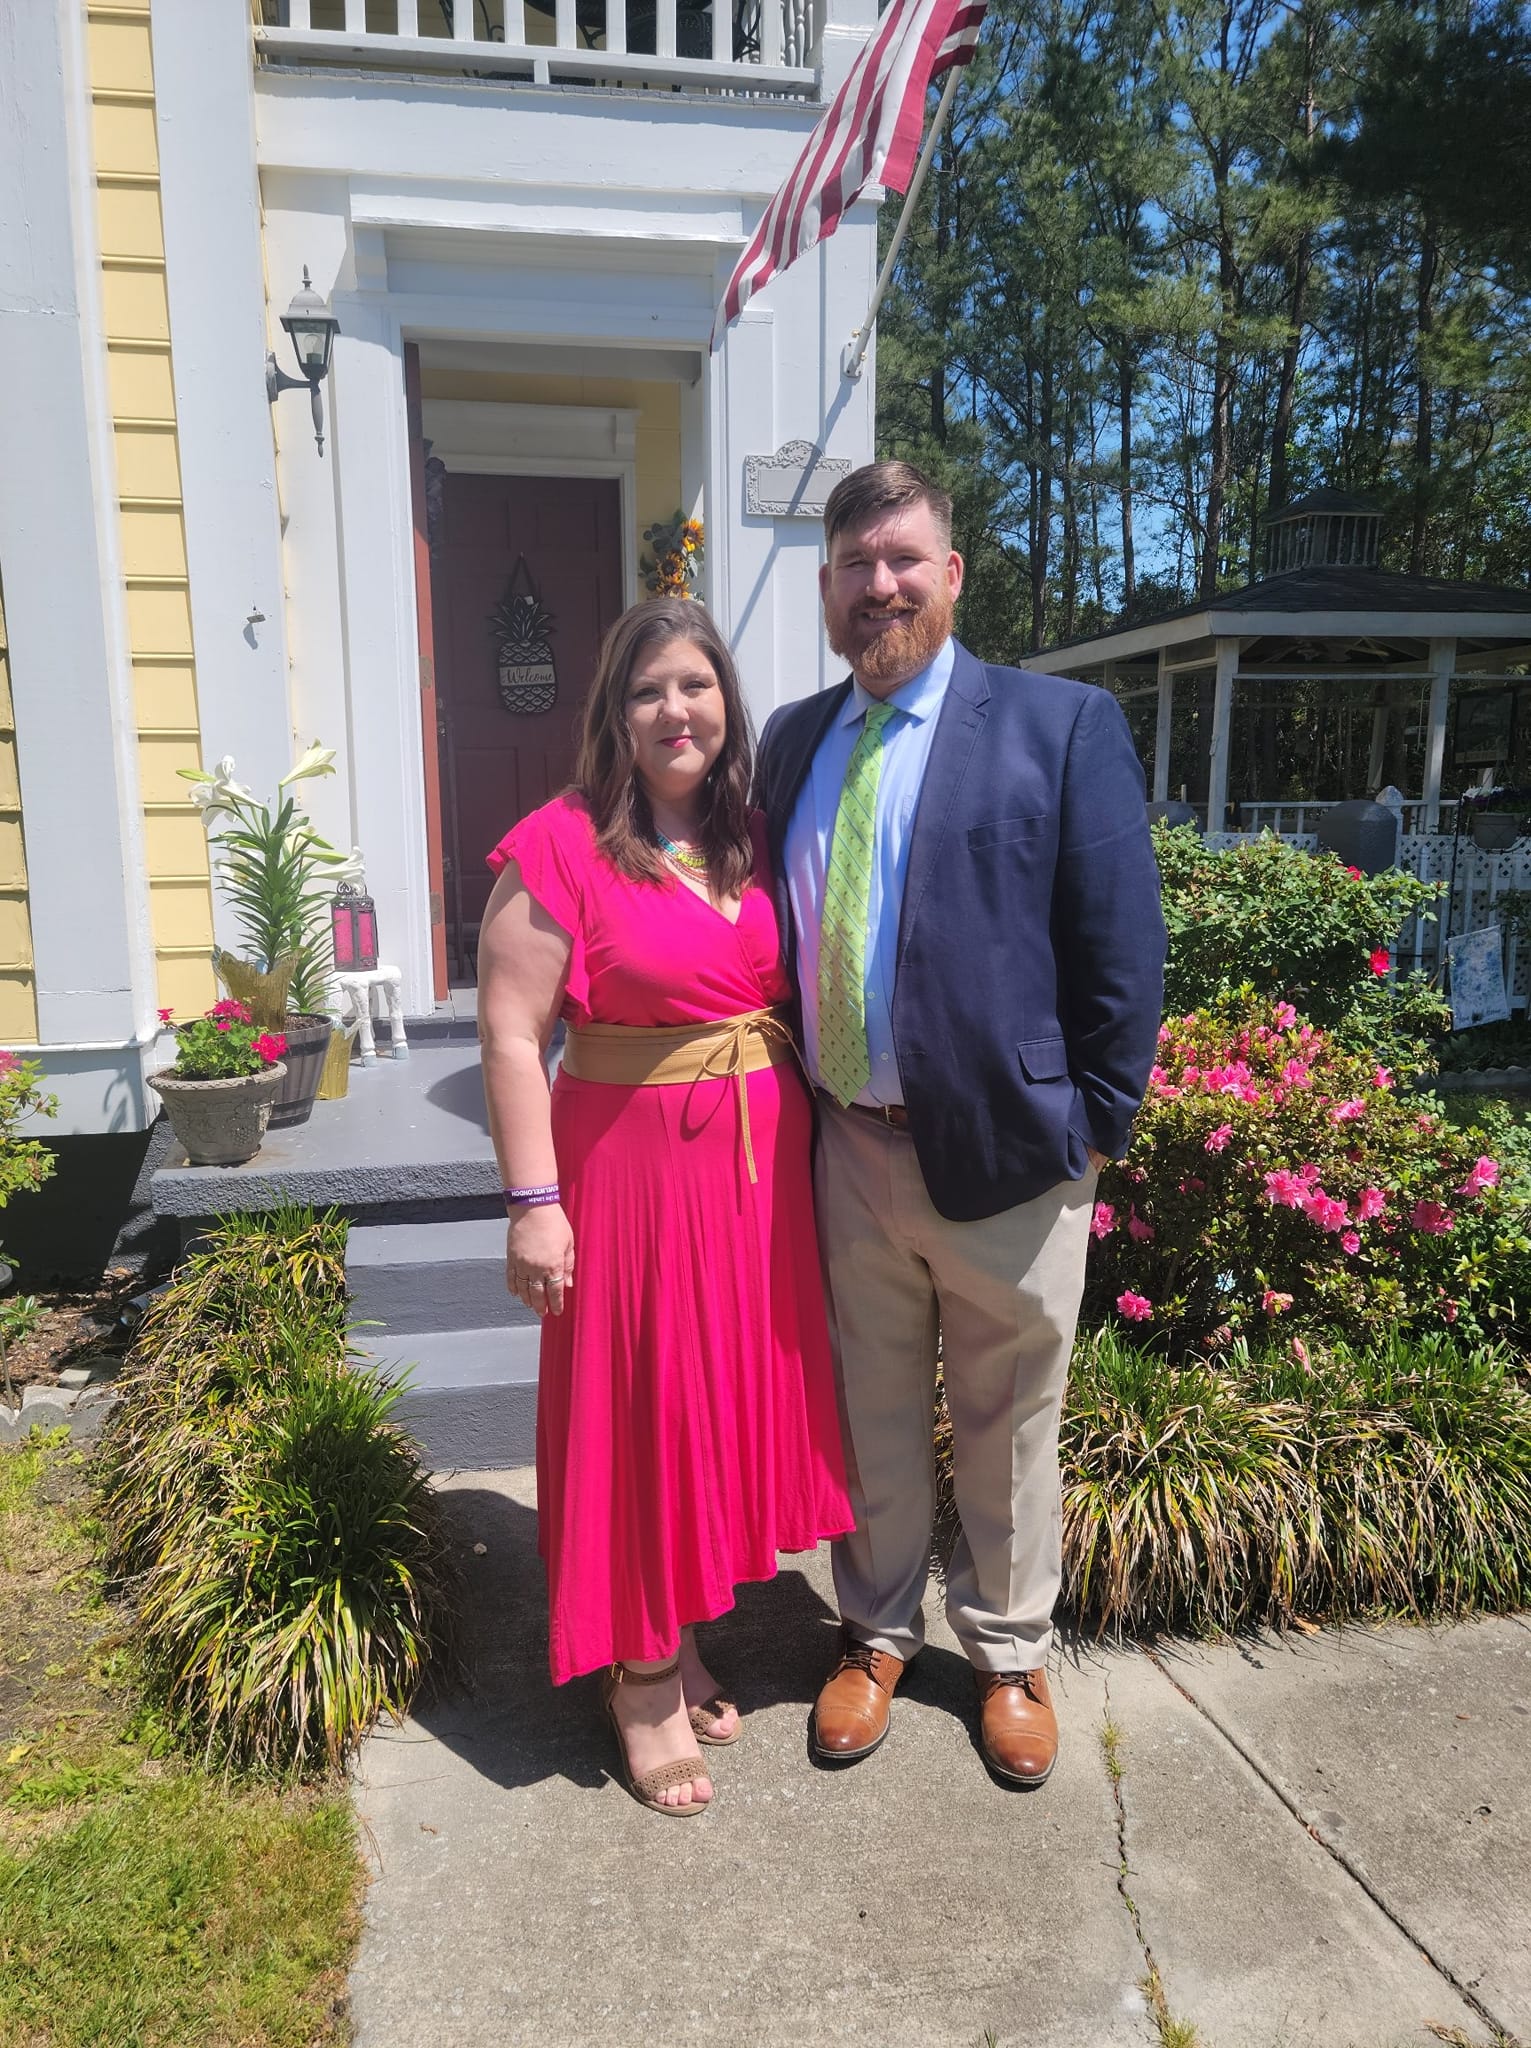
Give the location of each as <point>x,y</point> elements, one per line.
<point>1319,1841</point>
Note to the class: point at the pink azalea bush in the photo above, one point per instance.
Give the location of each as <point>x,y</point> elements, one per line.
<point>1278,1179</point>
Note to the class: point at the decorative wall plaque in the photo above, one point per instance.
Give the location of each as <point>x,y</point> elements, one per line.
<point>528,679</point>
<point>793,483</point>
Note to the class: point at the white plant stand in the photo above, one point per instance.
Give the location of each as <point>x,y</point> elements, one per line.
<point>369,996</point>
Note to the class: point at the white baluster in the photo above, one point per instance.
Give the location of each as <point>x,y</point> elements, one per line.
<point>356,17</point>
<point>616,25</point>
<point>462,21</point>
<point>772,25</point>
<point>297,14</point>
<point>515,22</point>
<point>409,17</point>
<point>722,31</point>
<point>664,29</point>
<point>566,29</point>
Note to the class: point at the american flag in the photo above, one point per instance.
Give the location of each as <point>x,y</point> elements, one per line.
<point>870,135</point>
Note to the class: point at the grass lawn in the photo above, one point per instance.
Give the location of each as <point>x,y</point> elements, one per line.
<point>144,1902</point>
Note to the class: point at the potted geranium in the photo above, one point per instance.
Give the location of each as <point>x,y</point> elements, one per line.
<point>277,874</point>
<point>219,1093</point>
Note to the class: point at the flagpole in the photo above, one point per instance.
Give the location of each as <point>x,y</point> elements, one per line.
<point>853,359</point>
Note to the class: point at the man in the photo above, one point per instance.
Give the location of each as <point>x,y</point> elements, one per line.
<point>968,893</point>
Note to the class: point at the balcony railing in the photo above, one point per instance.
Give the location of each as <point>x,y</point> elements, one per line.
<point>733,46</point>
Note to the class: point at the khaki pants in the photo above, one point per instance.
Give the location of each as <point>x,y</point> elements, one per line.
<point>1002,1295</point>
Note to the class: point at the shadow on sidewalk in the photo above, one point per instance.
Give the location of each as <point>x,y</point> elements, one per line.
<point>773,1648</point>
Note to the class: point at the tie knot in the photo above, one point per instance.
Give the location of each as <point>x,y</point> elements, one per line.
<point>878,716</point>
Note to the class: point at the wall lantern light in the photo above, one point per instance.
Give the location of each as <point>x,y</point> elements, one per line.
<point>313,328</point>
<point>353,924</point>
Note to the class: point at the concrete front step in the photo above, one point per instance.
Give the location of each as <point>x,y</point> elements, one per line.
<point>431,1276</point>
<point>471,1395</point>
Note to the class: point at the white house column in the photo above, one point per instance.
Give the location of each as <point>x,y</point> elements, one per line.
<point>1164,727</point>
<point>1443,661</point>
<point>382,654</point>
<point>213,265</point>
<point>1222,718</point>
<point>71,678</point>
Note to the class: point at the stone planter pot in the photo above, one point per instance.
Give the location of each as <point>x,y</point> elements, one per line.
<point>1496,831</point>
<point>219,1123</point>
<point>308,1040</point>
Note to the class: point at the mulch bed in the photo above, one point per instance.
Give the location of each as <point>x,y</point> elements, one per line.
<point>78,1326</point>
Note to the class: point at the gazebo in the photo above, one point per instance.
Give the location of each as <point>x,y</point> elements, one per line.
<point>1322,612</point>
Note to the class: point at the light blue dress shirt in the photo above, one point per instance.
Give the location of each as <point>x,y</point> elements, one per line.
<point>906,741</point>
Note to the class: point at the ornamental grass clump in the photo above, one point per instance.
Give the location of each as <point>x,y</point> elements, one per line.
<point>1279,1182</point>
<point>274,1529</point>
<point>1338,1483</point>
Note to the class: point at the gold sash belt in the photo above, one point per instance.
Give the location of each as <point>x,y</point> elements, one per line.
<point>660,1056</point>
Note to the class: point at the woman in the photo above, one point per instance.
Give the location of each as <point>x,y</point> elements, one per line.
<point>661,1217</point>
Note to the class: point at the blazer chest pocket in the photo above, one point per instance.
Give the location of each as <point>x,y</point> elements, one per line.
<point>1044,1059</point>
<point>1004,830</point>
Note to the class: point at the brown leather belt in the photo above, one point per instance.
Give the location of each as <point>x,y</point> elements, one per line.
<point>892,1114</point>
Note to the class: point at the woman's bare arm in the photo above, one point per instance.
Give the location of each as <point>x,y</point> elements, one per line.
<point>523,964</point>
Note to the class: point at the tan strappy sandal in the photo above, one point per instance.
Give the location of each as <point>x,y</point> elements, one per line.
<point>682,1770</point>
<point>709,1711</point>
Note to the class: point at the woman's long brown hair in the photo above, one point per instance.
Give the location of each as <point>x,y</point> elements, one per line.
<point>606,775</point>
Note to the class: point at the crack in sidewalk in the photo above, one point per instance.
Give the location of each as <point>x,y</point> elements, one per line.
<point>1502,2036</point>
<point>1172,2032</point>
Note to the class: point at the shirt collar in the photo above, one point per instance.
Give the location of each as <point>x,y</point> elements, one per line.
<point>918,699</point>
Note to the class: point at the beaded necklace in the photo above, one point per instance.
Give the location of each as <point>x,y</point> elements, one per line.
<point>691,858</point>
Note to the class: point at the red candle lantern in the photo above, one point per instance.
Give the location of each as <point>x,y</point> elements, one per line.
<point>353,921</point>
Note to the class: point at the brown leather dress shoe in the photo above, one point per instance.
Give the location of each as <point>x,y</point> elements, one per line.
<point>1019,1727</point>
<point>850,1717</point>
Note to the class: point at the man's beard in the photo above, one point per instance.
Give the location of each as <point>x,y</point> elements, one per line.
<point>896,652</point>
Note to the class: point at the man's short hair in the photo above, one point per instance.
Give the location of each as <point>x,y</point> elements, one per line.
<point>867,493</point>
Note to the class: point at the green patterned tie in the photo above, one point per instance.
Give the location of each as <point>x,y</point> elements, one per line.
<point>844,1064</point>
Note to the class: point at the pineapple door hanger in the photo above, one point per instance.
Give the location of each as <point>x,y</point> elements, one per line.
<point>522,631</point>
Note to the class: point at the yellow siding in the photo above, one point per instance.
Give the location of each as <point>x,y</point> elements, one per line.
<point>153,527</point>
<point>656,483</point>
<point>18,989</point>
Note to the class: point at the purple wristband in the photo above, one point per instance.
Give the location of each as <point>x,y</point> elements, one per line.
<point>531,1198</point>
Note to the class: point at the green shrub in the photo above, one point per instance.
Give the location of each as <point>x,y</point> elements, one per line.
<point>1300,928</point>
<point>1393,1480</point>
<point>1277,1180</point>
<point>276,1531</point>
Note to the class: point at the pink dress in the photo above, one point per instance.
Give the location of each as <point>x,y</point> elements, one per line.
<point>686,1418</point>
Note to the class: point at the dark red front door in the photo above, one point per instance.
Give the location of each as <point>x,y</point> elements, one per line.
<point>526,578</point>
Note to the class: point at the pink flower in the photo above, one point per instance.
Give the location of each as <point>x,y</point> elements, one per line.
<point>1273,1303</point>
<point>1370,1204</point>
<point>1286,1190</point>
<point>270,1046</point>
<point>1484,1174</point>
<point>1136,1308</point>
<point>1299,1351</point>
<point>224,1023</point>
<point>234,1013</point>
<point>1431,1218</point>
<point>165,1016</point>
<point>1449,1311</point>
<point>1296,1075</point>
<point>1222,1335</point>
<point>1380,961</point>
<point>1139,1231</point>
<point>1347,1112</point>
<point>1103,1222</point>
<point>1285,1016</point>
<point>1350,1243</point>
<point>1382,1078</point>
<point>8,1062</point>
<point>1353,871</point>
<point>1325,1210</point>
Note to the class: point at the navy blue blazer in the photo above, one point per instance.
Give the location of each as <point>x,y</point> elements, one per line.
<point>1031,941</point>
